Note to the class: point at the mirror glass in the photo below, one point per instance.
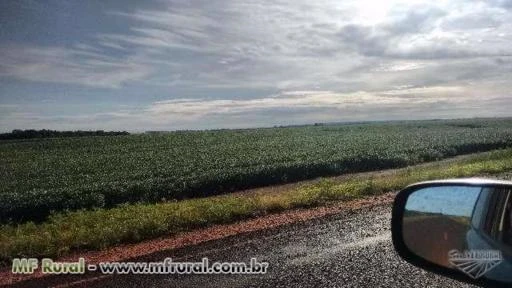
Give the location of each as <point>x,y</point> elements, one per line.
<point>465,228</point>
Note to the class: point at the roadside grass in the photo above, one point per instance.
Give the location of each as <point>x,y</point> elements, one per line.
<point>64,232</point>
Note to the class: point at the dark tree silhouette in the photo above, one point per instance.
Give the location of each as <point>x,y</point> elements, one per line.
<point>45,133</point>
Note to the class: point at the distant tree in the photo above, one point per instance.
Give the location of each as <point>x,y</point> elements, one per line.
<point>46,133</point>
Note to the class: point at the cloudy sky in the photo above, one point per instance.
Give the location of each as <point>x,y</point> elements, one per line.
<point>183,64</point>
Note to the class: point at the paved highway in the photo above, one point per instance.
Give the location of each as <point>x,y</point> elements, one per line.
<point>349,249</point>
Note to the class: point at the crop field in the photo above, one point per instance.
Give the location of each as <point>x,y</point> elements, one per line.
<point>38,176</point>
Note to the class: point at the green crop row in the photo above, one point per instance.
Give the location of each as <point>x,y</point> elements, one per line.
<point>38,176</point>
<point>97,229</point>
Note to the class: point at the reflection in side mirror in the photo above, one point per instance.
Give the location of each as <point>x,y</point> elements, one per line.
<point>459,226</point>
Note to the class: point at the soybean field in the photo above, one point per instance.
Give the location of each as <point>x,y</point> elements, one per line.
<point>38,176</point>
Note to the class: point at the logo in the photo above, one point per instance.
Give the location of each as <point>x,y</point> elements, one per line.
<point>475,263</point>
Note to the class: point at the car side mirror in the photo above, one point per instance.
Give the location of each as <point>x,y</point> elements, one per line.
<point>458,228</point>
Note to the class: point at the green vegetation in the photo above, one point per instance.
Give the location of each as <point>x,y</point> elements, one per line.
<point>38,176</point>
<point>128,223</point>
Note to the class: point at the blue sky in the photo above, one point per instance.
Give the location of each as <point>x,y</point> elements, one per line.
<point>165,65</point>
<point>446,200</point>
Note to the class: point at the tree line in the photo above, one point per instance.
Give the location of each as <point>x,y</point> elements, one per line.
<point>45,133</point>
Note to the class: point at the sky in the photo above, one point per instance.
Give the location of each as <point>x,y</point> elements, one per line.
<point>447,200</point>
<point>172,65</point>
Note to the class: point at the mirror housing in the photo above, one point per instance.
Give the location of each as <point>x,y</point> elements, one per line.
<point>432,233</point>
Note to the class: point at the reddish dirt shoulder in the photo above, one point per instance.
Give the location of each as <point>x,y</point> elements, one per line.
<point>130,251</point>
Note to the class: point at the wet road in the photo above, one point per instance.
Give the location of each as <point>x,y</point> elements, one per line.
<point>349,249</point>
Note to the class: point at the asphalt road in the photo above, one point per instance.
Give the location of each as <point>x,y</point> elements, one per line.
<point>350,249</point>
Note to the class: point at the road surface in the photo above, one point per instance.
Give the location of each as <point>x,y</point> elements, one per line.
<point>349,249</point>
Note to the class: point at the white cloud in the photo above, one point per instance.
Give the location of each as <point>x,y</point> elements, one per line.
<point>327,55</point>
<point>400,66</point>
<point>293,100</point>
<point>287,107</point>
<point>68,66</point>
<point>279,44</point>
